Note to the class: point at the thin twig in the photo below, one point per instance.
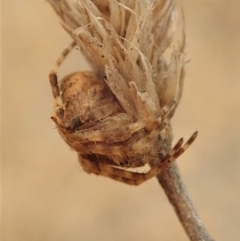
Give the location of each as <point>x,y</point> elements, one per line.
<point>174,187</point>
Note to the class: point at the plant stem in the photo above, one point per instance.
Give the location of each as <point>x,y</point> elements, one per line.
<point>174,187</point>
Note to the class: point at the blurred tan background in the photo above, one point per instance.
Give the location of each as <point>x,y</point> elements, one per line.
<point>47,196</point>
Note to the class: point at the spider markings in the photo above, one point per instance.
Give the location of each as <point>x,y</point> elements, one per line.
<point>92,122</point>
<point>53,74</point>
<point>132,178</point>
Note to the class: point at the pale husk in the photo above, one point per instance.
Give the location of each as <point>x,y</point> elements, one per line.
<point>126,39</point>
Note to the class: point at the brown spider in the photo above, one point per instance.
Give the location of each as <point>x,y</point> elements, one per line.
<point>107,137</point>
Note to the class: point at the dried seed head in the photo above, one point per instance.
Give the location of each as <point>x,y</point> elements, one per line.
<point>123,118</point>
<point>129,38</point>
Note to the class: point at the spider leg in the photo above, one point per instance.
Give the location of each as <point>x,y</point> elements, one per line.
<point>53,73</point>
<point>102,169</point>
<point>182,149</point>
<point>133,178</point>
<point>107,138</point>
<point>177,150</point>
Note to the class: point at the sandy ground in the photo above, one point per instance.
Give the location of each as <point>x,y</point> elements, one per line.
<point>47,196</point>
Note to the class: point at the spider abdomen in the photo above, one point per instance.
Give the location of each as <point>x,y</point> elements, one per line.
<point>87,96</point>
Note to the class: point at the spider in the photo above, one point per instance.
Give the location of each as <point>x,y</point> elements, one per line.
<point>109,140</point>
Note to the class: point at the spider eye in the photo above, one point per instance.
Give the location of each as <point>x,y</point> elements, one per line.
<point>60,112</point>
<point>75,123</point>
<point>125,163</point>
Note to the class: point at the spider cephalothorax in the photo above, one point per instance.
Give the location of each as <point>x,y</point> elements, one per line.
<point>92,121</point>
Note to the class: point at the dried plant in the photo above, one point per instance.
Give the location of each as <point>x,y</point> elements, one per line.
<point>118,116</point>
